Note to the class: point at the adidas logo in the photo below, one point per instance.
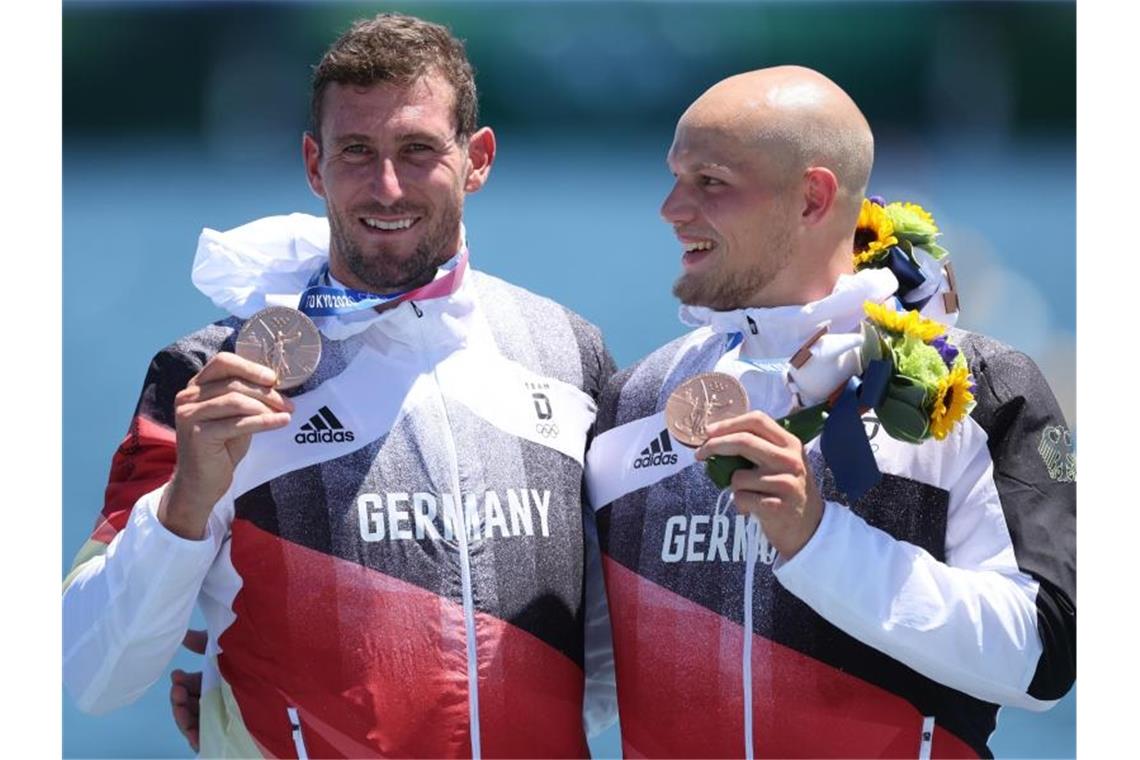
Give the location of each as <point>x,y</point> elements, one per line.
<point>323,427</point>
<point>657,453</point>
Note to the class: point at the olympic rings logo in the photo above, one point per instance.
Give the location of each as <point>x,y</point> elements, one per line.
<point>546,430</point>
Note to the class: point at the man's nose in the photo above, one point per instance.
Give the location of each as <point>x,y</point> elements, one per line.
<point>677,208</point>
<point>386,182</point>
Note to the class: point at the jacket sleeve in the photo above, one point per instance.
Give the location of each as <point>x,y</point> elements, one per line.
<point>126,610</point>
<point>996,620</point>
<point>130,593</point>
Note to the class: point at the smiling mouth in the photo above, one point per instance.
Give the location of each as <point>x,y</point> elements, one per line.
<point>389,225</point>
<point>696,251</point>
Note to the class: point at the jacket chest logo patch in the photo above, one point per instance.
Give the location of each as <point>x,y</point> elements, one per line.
<point>1056,450</point>
<point>323,427</point>
<point>544,412</point>
<point>658,452</point>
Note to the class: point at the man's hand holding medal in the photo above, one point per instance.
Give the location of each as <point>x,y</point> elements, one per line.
<point>234,396</point>
<point>750,453</point>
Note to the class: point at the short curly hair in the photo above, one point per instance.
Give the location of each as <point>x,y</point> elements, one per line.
<point>399,49</point>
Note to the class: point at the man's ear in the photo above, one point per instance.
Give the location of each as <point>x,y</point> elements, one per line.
<point>480,154</point>
<point>311,153</point>
<point>820,189</point>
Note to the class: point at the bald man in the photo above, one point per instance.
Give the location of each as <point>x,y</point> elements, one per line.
<point>777,618</point>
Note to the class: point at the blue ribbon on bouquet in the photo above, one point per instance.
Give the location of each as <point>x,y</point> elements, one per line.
<point>844,442</point>
<point>909,275</point>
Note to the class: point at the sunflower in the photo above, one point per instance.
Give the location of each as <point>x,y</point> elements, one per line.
<point>874,233</point>
<point>904,323</point>
<point>952,401</point>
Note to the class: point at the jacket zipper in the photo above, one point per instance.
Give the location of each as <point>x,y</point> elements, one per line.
<point>464,560</point>
<point>298,738</point>
<point>926,741</point>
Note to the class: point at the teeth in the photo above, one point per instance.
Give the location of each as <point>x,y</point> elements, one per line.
<point>704,245</point>
<point>379,224</point>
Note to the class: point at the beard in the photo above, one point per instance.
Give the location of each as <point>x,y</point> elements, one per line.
<point>380,270</point>
<point>723,288</point>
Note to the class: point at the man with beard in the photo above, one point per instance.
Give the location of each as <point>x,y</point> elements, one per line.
<point>389,556</point>
<point>803,623</point>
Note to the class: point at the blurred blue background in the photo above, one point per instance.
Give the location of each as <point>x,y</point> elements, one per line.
<point>179,116</point>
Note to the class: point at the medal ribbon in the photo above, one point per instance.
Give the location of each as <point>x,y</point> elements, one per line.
<point>321,300</point>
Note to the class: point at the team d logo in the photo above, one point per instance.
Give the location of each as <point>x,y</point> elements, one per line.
<point>660,452</point>
<point>323,427</point>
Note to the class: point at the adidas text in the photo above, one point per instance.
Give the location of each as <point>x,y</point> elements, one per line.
<point>652,460</point>
<point>324,436</point>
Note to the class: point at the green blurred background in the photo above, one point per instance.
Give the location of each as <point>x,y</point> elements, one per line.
<point>182,115</point>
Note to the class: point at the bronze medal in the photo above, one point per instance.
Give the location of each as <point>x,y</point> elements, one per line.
<point>283,339</point>
<point>700,401</point>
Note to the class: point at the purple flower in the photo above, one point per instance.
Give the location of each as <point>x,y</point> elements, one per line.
<point>878,200</point>
<point>945,350</point>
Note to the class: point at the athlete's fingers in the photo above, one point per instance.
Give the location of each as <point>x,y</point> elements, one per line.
<point>767,456</point>
<point>229,428</point>
<point>185,700</point>
<point>187,725</point>
<point>183,703</point>
<point>199,392</point>
<point>195,641</point>
<point>764,479</point>
<point>225,364</point>
<point>761,505</point>
<point>192,683</point>
<point>755,422</point>
<point>230,406</point>
<point>781,485</point>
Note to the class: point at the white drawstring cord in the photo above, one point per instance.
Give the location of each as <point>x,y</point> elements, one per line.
<point>752,549</point>
<point>723,504</point>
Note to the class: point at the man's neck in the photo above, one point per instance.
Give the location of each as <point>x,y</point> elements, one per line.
<point>804,284</point>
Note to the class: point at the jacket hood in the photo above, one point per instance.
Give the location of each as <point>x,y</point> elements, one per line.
<point>241,270</point>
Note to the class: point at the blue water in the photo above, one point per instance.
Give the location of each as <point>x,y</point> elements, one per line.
<point>572,219</point>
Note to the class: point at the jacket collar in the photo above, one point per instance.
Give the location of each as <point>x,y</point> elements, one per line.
<point>270,261</point>
<point>776,332</point>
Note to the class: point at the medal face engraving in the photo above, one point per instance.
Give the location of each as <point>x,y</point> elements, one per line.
<point>699,401</point>
<point>283,339</point>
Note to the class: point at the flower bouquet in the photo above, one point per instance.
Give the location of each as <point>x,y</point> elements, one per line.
<point>902,237</point>
<point>899,364</point>
<point>902,365</point>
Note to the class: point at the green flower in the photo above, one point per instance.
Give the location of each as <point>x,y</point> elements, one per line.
<point>919,361</point>
<point>914,224</point>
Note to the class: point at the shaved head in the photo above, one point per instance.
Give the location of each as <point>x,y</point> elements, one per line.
<point>798,118</point>
<point>771,168</point>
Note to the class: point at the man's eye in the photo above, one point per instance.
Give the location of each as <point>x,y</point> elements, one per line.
<point>707,181</point>
<point>418,147</point>
<point>356,149</point>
